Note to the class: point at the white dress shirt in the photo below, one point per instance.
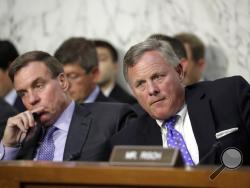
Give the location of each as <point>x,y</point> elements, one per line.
<point>11,97</point>
<point>184,127</point>
<point>108,90</point>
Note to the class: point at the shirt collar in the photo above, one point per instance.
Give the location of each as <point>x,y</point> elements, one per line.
<point>11,97</point>
<point>64,120</point>
<point>181,116</point>
<point>93,95</point>
<point>108,90</point>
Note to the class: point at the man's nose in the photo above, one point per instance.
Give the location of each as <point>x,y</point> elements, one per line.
<point>33,98</point>
<point>153,89</point>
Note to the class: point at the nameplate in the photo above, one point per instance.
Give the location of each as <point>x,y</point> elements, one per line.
<point>145,156</point>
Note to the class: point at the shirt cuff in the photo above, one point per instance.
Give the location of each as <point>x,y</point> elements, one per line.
<point>8,153</point>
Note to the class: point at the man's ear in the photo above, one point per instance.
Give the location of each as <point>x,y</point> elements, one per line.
<point>184,64</point>
<point>95,74</point>
<point>201,62</point>
<point>63,81</point>
<point>180,71</point>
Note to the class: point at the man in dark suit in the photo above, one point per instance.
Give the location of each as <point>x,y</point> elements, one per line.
<point>8,53</point>
<point>108,67</point>
<point>79,59</point>
<point>54,127</point>
<point>202,120</point>
<point>195,64</point>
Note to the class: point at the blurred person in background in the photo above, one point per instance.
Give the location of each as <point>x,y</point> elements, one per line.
<point>79,59</point>
<point>195,50</point>
<point>8,53</point>
<point>6,111</point>
<point>108,67</point>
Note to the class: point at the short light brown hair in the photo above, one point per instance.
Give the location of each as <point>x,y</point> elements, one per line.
<point>195,43</point>
<point>78,50</point>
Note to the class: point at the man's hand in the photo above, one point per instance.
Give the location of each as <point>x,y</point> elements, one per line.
<point>17,127</point>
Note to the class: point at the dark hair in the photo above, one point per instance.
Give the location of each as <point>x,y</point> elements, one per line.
<point>177,46</point>
<point>196,45</point>
<point>110,47</point>
<point>78,50</point>
<point>52,63</point>
<point>8,53</point>
<point>135,53</point>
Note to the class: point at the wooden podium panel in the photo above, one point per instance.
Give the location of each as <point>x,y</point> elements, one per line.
<point>30,174</point>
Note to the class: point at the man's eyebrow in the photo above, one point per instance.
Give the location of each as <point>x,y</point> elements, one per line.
<point>37,80</point>
<point>154,75</point>
<point>139,81</point>
<point>34,82</point>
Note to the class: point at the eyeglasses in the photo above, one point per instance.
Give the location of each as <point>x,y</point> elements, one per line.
<point>74,76</point>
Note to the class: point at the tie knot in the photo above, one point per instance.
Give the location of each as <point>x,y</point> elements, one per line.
<point>171,122</point>
<point>50,130</point>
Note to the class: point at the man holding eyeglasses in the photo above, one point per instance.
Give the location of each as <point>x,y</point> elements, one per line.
<point>79,59</point>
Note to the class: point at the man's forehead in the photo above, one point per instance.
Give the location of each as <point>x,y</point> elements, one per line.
<point>30,72</point>
<point>103,51</point>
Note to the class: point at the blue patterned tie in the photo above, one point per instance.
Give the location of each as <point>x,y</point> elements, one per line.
<point>175,140</point>
<point>47,148</point>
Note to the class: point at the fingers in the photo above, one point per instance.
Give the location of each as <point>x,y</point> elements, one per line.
<point>17,127</point>
<point>23,121</point>
<point>37,110</point>
<point>21,137</point>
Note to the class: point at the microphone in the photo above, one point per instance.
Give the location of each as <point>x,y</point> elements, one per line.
<point>74,156</point>
<point>215,146</point>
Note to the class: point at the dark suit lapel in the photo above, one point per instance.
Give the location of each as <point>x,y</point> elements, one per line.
<point>150,131</point>
<point>198,105</point>
<point>78,132</point>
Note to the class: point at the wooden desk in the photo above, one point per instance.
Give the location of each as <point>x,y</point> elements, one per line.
<point>29,174</point>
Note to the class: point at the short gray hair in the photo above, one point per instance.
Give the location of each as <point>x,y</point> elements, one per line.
<point>135,53</point>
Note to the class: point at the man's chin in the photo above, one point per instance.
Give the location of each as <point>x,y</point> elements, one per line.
<point>160,115</point>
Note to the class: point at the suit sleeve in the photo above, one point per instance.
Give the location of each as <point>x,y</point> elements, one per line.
<point>244,101</point>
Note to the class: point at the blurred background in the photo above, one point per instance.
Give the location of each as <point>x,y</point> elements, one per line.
<point>223,26</point>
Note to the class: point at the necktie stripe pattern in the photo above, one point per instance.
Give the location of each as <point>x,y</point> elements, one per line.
<point>175,140</point>
<point>47,148</point>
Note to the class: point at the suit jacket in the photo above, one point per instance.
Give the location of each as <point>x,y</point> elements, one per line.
<point>213,106</point>
<point>89,131</point>
<point>6,111</point>
<point>121,95</point>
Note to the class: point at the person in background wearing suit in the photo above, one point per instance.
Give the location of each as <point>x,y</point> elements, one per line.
<point>8,53</point>
<point>195,50</point>
<point>6,111</point>
<point>54,127</point>
<point>176,44</point>
<point>202,120</point>
<point>79,59</point>
<point>108,66</point>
